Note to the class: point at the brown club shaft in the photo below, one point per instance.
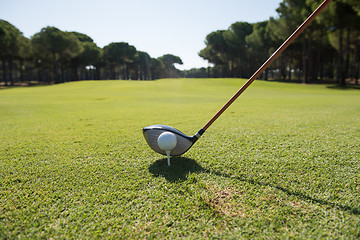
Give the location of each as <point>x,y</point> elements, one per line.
<point>272,58</point>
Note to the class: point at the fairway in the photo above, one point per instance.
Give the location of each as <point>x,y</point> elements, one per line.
<point>282,162</point>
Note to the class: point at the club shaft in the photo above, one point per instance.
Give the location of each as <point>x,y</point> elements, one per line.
<point>272,58</point>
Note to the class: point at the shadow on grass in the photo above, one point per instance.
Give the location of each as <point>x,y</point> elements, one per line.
<point>3,87</point>
<point>303,196</point>
<point>178,170</point>
<point>181,167</point>
<point>344,87</point>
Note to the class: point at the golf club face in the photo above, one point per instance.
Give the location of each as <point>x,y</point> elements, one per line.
<point>184,142</point>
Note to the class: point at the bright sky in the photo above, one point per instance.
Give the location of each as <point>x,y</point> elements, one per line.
<point>157,27</point>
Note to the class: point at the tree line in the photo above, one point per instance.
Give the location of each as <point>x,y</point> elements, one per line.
<point>55,56</point>
<point>328,49</point>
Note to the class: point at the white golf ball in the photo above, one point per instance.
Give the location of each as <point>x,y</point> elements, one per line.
<point>167,141</point>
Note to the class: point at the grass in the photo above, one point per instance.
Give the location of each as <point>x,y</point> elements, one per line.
<point>282,162</point>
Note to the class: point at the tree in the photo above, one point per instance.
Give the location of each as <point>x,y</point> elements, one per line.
<point>239,59</point>
<point>355,4</point>
<point>168,61</point>
<point>227,50</point>
<point>25,55</point>
<point>88,57</point>
<point>196,73</point>
<point>11,48</point>
<point>342,18</point>
<point>144,66</point>
<point>216,52</point>
<point>72,47</point>
<point>156,67</point>
<point>119,56</point>
<point>259,44</point>
<point>291,14</point>
<point>52,44</point>
<point>82,37</point>
<point>55,56</point>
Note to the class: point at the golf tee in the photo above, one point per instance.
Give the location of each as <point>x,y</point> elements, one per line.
<point>168,157</point>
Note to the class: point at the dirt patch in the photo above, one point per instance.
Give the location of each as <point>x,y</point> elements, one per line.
<point>225,202</point>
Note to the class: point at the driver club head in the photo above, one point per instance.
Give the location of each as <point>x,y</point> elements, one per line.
<point>184,142</point>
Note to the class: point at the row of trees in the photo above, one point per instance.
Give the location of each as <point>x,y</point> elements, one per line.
<point>328,49</point>
<point>55,56</point>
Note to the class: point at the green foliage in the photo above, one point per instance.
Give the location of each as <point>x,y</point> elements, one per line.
<point>13,46</point>
<point>239,50</point>
<point>196,73</point>
<point>156,68</point>
<point>55,56</point>
<point>281,163</point>
<point>10,40</point>
<point>216,52</point>
<point>326,50</point>
<point>144,61</point>
<point>119,53</point>
<point>82,37</point>
<point>54,41</point>
<point>53,45</point>
<point>355,4</point>
<point>342,18</point>
<point>168,61</point>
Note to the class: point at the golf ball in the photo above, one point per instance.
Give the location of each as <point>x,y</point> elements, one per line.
<point>167,141</point>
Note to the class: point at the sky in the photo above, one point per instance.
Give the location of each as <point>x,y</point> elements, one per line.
<point>157,27</point>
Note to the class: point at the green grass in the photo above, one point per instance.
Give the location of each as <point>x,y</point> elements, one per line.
<point>282,162</point>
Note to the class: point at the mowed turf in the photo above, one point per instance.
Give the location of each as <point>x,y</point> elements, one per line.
<point>281,162</point>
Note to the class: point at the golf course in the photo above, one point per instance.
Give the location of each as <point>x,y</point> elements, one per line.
<point>282,162</point>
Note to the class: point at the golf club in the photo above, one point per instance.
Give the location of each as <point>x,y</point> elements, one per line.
<point>183,142</point>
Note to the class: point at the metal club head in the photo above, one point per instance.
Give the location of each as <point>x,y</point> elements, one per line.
<point>184,142</point>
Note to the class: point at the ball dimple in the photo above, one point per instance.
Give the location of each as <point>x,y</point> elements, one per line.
<point>167,141</point>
